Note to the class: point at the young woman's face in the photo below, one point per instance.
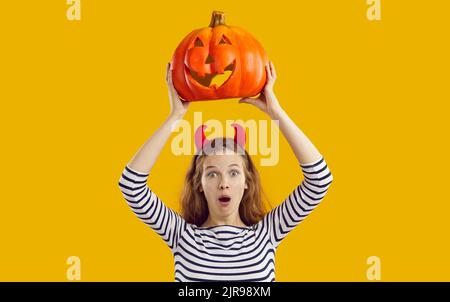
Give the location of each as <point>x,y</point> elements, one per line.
<point>223,183</point>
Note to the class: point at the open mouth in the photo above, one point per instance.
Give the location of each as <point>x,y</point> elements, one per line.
<point>213,80</point>
<point>224,200</point>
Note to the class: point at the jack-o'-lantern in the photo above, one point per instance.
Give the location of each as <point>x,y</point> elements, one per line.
<point>218,62</point>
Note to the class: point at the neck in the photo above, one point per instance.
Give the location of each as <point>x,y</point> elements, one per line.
<point>234,221</point>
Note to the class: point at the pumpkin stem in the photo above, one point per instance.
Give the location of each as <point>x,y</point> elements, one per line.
<point>218,18</point>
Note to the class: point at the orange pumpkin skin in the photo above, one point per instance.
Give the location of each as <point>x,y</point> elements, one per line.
<point>208,51</point>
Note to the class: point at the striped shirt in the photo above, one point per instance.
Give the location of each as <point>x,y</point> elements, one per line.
<point>225,252</point>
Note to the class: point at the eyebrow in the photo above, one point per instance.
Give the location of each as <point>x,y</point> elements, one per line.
<point>228,166</point>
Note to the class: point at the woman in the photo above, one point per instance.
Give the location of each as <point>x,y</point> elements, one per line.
<point>224,233</point>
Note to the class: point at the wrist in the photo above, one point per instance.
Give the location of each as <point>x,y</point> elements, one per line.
<point>173,120</point>
<point>176,115</point>
<point>276,113</point>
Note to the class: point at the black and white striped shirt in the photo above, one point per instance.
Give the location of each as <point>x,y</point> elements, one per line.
<point>224,252</point>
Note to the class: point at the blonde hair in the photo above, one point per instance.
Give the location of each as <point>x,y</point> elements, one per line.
<point>194,207</point>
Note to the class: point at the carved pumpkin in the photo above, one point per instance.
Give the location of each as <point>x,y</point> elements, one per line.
<point>214,53</point>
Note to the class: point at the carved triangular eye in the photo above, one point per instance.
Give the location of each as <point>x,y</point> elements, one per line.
<point>198,43</point>
<point>224,40</point>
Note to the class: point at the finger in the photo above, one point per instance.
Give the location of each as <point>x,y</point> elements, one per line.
<point>167,71</point>
<point>272,70</point>
<point>269,75</point>
<point>170,77</point>
<point>254,102</point>
<point>248,101</point>
<point>185,104</point>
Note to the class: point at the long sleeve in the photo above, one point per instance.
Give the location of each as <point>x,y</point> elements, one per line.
<point>300,203</point>
<point>149,208</point>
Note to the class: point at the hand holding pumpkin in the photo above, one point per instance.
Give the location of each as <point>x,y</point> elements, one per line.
<point>178,108</point>
<point>266,101</point>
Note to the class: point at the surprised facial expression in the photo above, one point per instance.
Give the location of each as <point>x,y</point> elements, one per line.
<point>223,183</point>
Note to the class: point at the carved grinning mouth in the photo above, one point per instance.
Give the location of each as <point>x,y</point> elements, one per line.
<point>213,80</point>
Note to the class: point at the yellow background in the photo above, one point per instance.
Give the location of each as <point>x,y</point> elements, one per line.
<point>78,98</point>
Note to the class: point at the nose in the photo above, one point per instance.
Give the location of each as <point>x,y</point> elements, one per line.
<point>209,60</point>
<point>223,184</point>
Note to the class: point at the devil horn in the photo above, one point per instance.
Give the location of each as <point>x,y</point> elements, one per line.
<point>200,137</point>
<point>239,135</point>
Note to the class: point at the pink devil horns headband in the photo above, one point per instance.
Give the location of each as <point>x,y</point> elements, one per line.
<point>201,140</point>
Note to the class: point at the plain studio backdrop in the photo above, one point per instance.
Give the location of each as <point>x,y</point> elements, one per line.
<point>80,97</point>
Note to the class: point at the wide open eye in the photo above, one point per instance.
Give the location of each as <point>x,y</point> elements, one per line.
<point>198,43</point>
<point>211,174</point>
<point>235,172</point>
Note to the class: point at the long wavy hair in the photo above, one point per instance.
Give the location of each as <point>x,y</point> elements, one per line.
<point>194,207</point>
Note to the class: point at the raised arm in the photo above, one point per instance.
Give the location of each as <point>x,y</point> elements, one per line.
<point>133,182</point>
<point>302,147</point>
<point>317,177</point>
<point>147,155</point>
